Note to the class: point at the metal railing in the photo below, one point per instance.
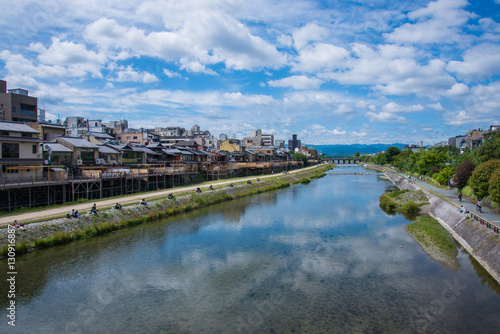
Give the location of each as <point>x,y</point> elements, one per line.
<point>482,221</point>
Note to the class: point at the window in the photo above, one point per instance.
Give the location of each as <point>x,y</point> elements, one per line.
<point>13,109</point>
<point>34,151</point>
<point>135,137</point>
<point>10,150</point>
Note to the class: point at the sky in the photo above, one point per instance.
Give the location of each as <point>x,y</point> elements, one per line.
<point>333,72</point>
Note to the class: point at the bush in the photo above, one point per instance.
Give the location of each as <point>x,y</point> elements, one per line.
<point>410,207</point>
<point>387,202</point>
<point>480,178</point>
<point>462,174</point>
<point>494,188</point>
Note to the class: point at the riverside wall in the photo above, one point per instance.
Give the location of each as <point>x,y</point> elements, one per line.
<point>481,242</point>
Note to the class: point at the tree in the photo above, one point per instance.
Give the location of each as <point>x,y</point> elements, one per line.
<point>445,175</point>
<point>490,149</point>
<point>300,157</point>
<point>464,171</point>
<point>494,189</point>
<point>391,153</point>
<point>480,178</point>
<point>356,154</point>
<point>429,160</point>
<point>380,159</point>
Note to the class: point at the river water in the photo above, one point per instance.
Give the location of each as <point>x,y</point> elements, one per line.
<point>316,258</point>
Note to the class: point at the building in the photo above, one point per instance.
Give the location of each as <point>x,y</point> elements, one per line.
<point>139,136</point>
<point>16,105</point>
<point>232,145</point>
<point>84,152</point>
<point>293,143</point>
<point>77,126</point>
<point>256,138</point>
<point>48,131</point>
<point>21,154</point>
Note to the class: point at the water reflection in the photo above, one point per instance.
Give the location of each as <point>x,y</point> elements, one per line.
<point>316,258</point>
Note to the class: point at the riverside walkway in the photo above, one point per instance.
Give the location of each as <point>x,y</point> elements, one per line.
<point>51,213</point>
<point>451,194</point>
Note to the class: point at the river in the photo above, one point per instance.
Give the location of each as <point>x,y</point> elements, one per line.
<point>316,258</point>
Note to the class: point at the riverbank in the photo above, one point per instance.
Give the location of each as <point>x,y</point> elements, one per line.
<point>482,243</point>
<point>64,230</point>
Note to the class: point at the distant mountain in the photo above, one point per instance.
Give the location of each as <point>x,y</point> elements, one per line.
<point>349,150</point>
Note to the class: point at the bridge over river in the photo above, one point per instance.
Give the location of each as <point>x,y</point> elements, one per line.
<point>343,161</point>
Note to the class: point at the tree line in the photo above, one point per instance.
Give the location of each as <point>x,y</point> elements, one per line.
<point>475,172</point>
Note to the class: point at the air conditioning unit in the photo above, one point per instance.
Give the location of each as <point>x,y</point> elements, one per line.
<point>79,162</point>
<point>99,161</point>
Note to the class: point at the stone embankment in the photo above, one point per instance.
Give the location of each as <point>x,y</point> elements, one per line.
<point>482,243</point>
<point>60,231</point>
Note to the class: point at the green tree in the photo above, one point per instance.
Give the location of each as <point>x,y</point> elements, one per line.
<point>445,175</point>
<point>494,188</point>
<point>490,149</point>
<point>391,153</point>
<point>480,178</point>
<point>463,173</point>
<point>356,154</point>
<point>380,159</point>
<point>300,157</point>
<point>429,160</point>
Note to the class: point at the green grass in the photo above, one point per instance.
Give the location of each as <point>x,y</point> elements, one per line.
<point>429,232</point>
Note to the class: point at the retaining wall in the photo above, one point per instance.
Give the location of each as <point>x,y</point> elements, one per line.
<point>481,242</point>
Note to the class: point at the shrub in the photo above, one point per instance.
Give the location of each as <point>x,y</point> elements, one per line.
<point>480,178</point>
<point>387,202</point>
<point>462,174</point>
<point>494,188</point>
<point>410,207</point>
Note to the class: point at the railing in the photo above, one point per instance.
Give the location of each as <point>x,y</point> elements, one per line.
<point>486,222</point>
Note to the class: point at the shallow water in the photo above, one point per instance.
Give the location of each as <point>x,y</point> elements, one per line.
<point>316,258</point>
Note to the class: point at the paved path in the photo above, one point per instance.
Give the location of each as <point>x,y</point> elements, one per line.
<point>126,200</point>
<point>452,195</point>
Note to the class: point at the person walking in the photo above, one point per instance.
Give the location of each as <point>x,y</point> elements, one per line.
<point>460,196</point>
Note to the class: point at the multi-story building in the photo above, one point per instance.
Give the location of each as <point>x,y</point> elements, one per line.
<point>16,105</point>
<point>138,136</point>
<point>48,131</point>
<point>21,154</point>
<point>293,143</point>
<point>76,126</point>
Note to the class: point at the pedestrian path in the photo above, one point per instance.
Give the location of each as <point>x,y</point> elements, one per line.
<point>127,200</point>
<point>452,195</point>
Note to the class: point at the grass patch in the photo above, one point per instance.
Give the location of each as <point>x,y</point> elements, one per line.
<point>429,232</point>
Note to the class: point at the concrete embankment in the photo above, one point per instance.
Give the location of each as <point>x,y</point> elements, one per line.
<point>60,231</point>
<point>482,243</point>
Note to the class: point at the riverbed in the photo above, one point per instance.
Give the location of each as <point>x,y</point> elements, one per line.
<point>321,257</point>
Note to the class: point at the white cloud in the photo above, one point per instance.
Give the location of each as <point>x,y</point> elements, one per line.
<point>479,62</point>
<point>128,74</point>
<point>439,22</point>
<point>297,82</point>
<point>320,56</point>
<point>394,107</point>
<point>359,134</point>
<point>310,32</point>
<point>384,117</point>
<point>393,70</point>
<point>436,106</point>
<point>170,74</point>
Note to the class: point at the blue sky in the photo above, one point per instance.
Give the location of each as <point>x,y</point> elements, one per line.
<point>334,72</point>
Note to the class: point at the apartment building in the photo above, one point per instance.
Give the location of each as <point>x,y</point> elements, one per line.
<point>16,105</point>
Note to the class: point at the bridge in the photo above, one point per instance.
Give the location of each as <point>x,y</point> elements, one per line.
<point>342,161</point>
